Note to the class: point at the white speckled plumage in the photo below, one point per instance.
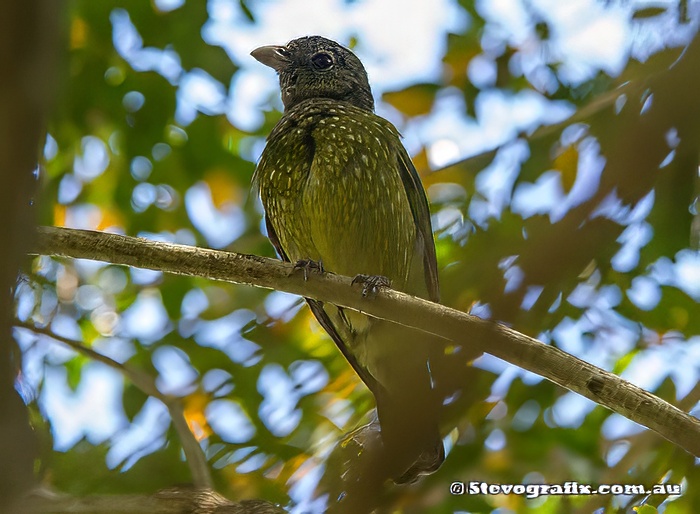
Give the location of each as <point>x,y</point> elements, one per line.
<point>338,186</point>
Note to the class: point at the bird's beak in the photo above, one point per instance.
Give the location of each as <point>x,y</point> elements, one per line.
<point>273,56</point>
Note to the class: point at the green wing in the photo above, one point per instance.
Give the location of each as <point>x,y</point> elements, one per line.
<point>421,216</point>
<point>326,322</point>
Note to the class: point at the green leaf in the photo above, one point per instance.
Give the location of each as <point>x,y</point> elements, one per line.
<point>133,400</point>
<point>648,12</point>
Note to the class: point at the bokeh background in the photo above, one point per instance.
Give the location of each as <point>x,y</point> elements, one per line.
<point>558,142</point>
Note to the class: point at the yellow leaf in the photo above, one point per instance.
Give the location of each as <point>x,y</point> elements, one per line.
<point>223,188</point>
<point>59,215</point>
<point>110,218</point>
<point>78,33</point>
<point>567,163</point>
<point>344,384</point>
<point>420,161</point>
<point>645,509</point>
<point>461,50</point>
<point>194,406</point>
<point>414,100</point>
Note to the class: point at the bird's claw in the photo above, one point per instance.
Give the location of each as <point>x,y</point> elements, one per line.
<point>307,265</point>
<point>371,284</point>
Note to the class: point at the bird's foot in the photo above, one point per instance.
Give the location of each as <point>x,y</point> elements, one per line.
<point>308,266</point>
<point>371,284</point>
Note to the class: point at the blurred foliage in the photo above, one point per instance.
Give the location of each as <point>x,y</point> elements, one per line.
<point>120,158</point>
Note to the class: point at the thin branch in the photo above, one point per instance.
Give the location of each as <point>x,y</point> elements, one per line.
<point>691,399</point>
<point>557,366</point>
<point>196,460</point>
<point>169,501</point>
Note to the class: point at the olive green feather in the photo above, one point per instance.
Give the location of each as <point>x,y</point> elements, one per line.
<point>338,186</point>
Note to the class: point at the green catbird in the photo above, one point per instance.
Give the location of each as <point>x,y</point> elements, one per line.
<point>339,188</point>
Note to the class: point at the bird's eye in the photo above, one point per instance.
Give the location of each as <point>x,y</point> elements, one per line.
<point>322,61</point>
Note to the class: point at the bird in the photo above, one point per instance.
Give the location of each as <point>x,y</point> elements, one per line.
<point>341,194</point>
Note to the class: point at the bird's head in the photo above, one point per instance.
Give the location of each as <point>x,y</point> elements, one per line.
<point>316,67</point>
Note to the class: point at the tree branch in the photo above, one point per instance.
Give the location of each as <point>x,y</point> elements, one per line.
<point>168,501</point>
<point>557,366</point>
<point>196,460</point>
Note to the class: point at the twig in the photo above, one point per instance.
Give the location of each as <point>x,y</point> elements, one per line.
<point>196,460</point>
<point>169,501</point>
